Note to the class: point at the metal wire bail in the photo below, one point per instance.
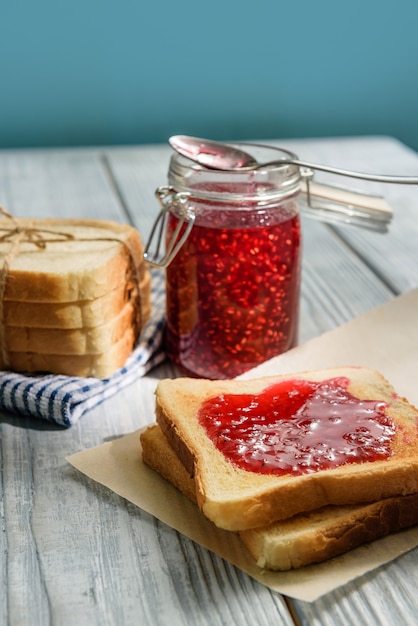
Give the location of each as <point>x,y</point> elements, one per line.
<point>169,199</point>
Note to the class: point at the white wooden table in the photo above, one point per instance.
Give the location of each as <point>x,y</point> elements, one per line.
<point>74,553</point>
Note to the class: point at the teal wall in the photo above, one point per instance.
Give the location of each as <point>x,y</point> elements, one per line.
<point>136,71</point>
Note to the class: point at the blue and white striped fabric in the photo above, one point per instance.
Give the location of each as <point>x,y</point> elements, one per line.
<point>64,399</point>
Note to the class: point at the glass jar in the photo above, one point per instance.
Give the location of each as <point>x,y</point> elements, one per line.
<point>232,288</point>
<point>233,246</point>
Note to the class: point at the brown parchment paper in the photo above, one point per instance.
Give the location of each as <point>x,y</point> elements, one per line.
<point>385,339</point>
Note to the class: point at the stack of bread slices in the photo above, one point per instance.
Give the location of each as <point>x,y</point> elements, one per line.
<point>294,519</point>
<point>75,295</point>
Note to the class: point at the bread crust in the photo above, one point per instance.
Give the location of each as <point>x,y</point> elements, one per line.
<point>236,499</point>
<point>160,456</point>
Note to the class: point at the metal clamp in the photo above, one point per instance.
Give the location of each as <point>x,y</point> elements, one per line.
<point>169,199</point>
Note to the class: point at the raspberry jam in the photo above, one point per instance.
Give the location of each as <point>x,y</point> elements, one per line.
<point>298,427</point>
<point>233,290</point>
<point>233,287</point>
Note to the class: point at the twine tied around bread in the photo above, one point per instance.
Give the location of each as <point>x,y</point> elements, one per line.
<point>16,234</point>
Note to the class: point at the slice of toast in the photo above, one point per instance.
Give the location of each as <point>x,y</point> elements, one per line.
<point>236,498</point>
<point>305,538</point>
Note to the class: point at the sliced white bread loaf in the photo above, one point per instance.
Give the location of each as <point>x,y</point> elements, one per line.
<point>236,498</point>
<point>305,538</point>
<point>86,283</point>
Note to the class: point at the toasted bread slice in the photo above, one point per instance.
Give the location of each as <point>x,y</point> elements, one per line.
<point>238,499</point>
<point>320,535</point>
<point>305,538</point>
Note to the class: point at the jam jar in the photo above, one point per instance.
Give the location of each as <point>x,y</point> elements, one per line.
<point>234,263</point>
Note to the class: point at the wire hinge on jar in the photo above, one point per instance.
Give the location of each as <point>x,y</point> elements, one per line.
<point>169,200</point>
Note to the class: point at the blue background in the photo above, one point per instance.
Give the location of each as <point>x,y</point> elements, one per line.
<point>94,72</point>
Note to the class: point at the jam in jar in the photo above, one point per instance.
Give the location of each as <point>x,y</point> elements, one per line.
<point>232,289</point>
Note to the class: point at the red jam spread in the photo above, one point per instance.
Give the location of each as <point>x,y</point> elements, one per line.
<point>233,293</point>
<point>298,427</point>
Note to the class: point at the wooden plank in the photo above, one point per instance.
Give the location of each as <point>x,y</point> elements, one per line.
<point>385,597</point>
<point>57,183</point>
<point>136,174</point>
<point>336,285</point>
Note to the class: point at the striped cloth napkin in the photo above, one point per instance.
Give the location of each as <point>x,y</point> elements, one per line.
<point>64,399</point>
